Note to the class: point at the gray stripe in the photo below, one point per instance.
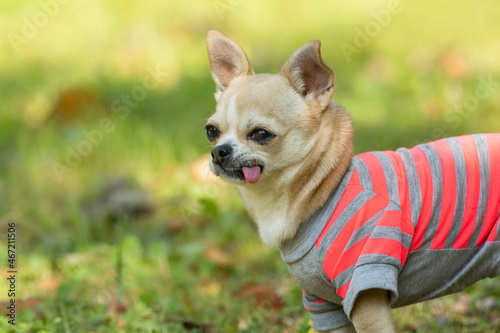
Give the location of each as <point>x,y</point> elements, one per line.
<point>364,175</point>
<point>310,302</point>
<point>344,277</point>
<point>377,232</point>
<point>364,230</point>
<point>370,228</point>
<point>343,218</point>
<point>437,182</point>
<point>413,184</point>
<point>393,233</point>
<point>377,258</point>
<point>294,249</point>
<point>387,233</point>
<point>391,177</point>
<point>461,191</point>
<point>406,240</point>
<point>372,258</point>
<point>484,191</point>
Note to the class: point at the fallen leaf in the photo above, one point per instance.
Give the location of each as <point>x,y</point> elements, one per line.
<point>49,284</point>
<point>175,225</point>
<point>265,295</point>
<point>116,308</point>
<point>73,104</point>
<point>29,303</point>
<point>218,257</point>
<point>26,304</point>
<point>462,304</point>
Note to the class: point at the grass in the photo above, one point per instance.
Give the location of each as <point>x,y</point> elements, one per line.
<point>131,237</point>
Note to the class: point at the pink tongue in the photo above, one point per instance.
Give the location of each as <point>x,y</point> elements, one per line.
<point>252,174</point>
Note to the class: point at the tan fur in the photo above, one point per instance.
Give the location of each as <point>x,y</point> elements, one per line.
<point>372,314</point>
<point>311,147</point>
<point>327,164</point>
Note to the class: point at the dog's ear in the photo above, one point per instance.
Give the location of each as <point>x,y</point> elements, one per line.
<point>227,60</point>
<point>310,75</point>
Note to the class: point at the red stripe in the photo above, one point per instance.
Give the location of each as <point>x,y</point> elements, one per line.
<point>377,175</point>
<point>490,220</point>
<point>354,181</point>
<point>449,195</point>
<point>468,146</point>
<point>349,194</point>
<point>404,195</point>
<point>396,219</point>
<point>348,258</point>
<point>342,291</point>
<point>305,307</point>
<point>493,233</point>
<point>386,246</point>
<point>366,212</point>
<point>427,191</point>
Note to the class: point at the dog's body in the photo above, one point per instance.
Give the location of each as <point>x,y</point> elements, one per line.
<point>355,233</point>
<point>419,223</point>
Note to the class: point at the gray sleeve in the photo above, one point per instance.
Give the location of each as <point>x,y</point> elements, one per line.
<point>325,316</point>
<point>371,276</point>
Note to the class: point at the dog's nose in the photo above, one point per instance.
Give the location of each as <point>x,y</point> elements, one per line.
<point>220,153</point>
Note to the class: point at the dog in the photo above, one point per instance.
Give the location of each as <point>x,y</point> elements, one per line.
<point>360,234</point>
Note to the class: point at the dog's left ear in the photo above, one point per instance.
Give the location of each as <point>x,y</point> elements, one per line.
<point>227,60</point>
<point>310,75</point>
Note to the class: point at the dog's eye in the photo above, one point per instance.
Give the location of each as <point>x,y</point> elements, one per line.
<point>212,132</point>
<point>260,135</point>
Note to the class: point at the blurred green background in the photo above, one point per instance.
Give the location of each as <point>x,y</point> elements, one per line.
<point>119,226</point>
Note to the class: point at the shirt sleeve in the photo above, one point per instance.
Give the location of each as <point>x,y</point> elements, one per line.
<point>325,316</point>
<point>381,257</point>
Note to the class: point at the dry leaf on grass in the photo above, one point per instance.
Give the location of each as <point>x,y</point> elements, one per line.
<point>265,295</point>
<point>116,308</point>
<point>49,284</point>
<point>218,257</point>
<point>462,304</point>
<point>29,303</point>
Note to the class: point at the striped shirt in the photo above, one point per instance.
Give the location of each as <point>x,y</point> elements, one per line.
<point>419,222</point>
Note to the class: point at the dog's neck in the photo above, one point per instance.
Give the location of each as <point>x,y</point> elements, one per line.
<point>280,206</point>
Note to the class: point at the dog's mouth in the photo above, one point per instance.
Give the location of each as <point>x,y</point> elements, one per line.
<point>250,174</point>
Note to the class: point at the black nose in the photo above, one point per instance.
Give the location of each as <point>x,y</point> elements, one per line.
<point>221,153</point>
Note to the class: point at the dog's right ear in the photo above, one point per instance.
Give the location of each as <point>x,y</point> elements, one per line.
<point>227,60</point>
<point>310,75</point>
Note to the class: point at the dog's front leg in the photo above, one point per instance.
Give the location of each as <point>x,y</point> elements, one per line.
<point>372,314</point>
<point>345,329</point>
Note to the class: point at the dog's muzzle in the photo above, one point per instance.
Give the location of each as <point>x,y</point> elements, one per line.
<point>221,154</point>
<point>227,167</point>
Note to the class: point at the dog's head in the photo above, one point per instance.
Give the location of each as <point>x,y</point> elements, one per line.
<point>265,125</point>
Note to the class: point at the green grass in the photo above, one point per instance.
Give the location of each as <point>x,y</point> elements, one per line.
<point>185,265</point>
